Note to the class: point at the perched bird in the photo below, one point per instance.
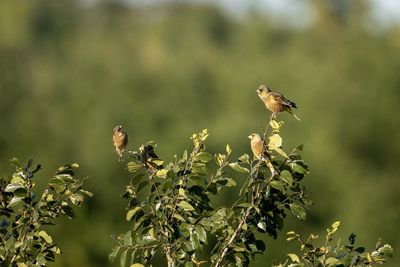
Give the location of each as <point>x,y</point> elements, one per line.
<point>259,149</point>
<point>147,154</point>
<point>275,102</point>
<point>120,140</point>
<point>257,146</point>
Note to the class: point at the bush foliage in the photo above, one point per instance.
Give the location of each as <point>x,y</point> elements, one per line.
<point>170,207</point>
<point>24,217</point>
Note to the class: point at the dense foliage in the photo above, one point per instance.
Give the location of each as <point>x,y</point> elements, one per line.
<point>170,203</point>
<point>71,70</point>
<point>25,216</point>
<point>336,254</point>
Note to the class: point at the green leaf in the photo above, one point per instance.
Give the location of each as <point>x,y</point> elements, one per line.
<point>238,168</point>
<point>46,237</point>
<point>294,257</point>
<point>185,205</point>
<point>40,260</point>
<point>13,187</point>
<point>275,141</point>
<point>15,201</point>
<point>244,158</point>
<point>277,185</point>
<point>286,176</point>
<point>229,182</point>
<point>113,254</point>
<point>201,234</point>
<point>262,226</point>
<point>9,243</point>
<point>162,173</point>
<point>58,185</point>
<point>228,149</point>
<point>131,213</point>
<point>280,151</point>
<point>122,259</point>
<point>178,217</point>
<point>298,211</point>
<point>331,261</point>
<point>133,166</point>
<point>274,124</point>
<point>76,199</point>
<point>335,227</point>
<point>298,168</point>
<point>128,239</point>
<point>203,157</point>
<point>386,250</point>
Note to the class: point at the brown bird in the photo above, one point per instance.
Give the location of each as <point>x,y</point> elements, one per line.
<point>257,146</point>
<point>275,102</point>
<point>259,149</point>
<point>120,140</point>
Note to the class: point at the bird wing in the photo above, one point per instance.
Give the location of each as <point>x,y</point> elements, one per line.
<point>283,100</point>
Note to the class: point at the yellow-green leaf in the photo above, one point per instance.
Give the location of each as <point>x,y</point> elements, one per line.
<point>294,257</point>
<point>185,205</point>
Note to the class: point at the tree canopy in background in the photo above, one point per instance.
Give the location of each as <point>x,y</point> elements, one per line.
<point>70,72</point>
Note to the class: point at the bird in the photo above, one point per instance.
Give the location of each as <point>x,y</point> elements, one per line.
<point>147,154</point>
<point>120,141</point>
<point>275,102</point>
<point>258,147</point>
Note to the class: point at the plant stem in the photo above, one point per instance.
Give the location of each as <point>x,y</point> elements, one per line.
<point>170,259</point>
<point>234,236</point>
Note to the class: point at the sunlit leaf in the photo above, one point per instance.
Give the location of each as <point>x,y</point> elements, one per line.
<point>185,205</point>
<point>133,166</point>
<point>122,259</point>
<point>15,201</point>
<point>113,254</point>
<point>331,261</point>
<point>58,185</point>
<point>294,257</point>
<point>128,239</point>
<point>286,176</point>
<point>275,141</point>
<point>238,168</point>
<point>46,237</point>
<point>298,211</point>
<point>131,213</point>
<point>13,187</point>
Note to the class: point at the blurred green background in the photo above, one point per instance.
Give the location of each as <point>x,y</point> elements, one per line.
<point>72,70</point>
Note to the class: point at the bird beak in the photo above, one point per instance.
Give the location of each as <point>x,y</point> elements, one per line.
<point>249,137</point>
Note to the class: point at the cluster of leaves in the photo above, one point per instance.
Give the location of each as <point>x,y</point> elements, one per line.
<point>169,204</point>
<point>271,189</point>
<point>334,254</point>
<point>23,239</point>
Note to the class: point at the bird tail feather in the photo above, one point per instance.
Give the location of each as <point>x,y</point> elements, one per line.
<point>294,115</point>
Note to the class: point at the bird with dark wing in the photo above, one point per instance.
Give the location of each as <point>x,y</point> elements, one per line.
<point>120,141</point>
<point>147,155</point>
<point>275,102</point>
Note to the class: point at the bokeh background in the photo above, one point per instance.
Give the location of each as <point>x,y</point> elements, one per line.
<point>71,70</point>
